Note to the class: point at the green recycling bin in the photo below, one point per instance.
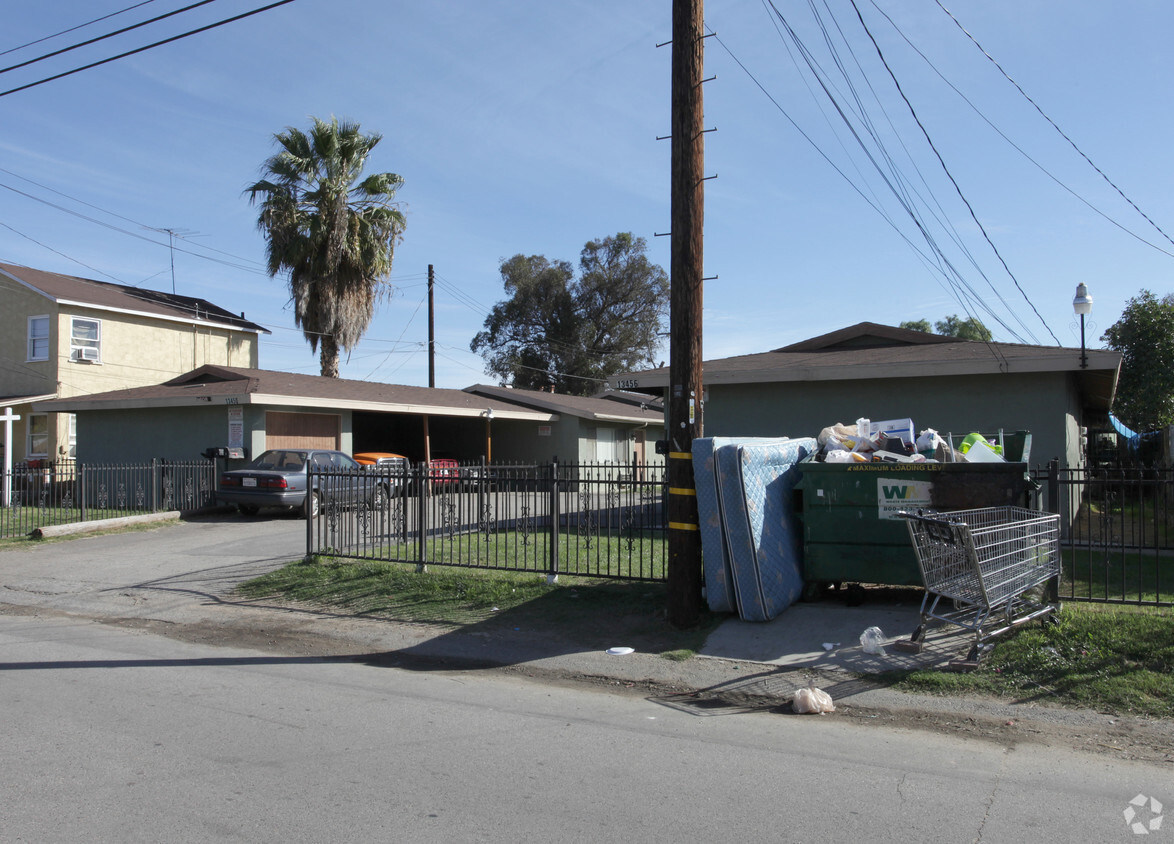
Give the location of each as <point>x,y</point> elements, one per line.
<point>851,531</point>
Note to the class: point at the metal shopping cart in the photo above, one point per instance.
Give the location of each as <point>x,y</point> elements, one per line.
<point>978,566</point>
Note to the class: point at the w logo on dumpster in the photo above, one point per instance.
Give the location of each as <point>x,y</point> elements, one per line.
<point>896,494</point>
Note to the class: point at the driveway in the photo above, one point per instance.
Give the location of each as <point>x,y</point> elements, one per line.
<point>154,572</point>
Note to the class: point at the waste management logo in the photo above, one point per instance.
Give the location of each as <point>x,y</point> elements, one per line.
<point>1143,820</point>
<point>896,494</point>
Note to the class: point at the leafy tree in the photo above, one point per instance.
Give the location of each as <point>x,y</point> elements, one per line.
<point>1145,337</point>
<point>952,326</point>
<point>332,229</point>
<point>558,331</point>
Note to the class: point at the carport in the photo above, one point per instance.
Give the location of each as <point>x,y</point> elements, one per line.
<point>253,409</point>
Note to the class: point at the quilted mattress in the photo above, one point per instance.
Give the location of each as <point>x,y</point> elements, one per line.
<point>763,537</point>
<point>719,591</point>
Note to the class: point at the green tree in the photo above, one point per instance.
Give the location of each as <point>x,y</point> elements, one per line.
<point>1145,337</point>
<point>952,326</point>
<point>558,331</point>
<point>332,229</point>
<point>967,329</point>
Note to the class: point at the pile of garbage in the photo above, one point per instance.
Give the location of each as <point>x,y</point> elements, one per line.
<point>894,441</point>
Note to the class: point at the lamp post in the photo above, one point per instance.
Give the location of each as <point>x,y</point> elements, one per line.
<point>1082,304</point>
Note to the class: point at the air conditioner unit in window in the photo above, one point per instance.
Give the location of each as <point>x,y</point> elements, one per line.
<point>85,355</point>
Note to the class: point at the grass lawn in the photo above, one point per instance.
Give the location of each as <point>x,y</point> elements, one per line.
<point>640,554</point>
<point>580,609</point>
<point>1113,573</point>
<point>1111,659</point>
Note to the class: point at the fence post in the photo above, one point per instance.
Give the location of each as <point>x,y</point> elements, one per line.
<point>154,484</point>
<point>1053,589</point>
<point>423,494</point>
<point>1054,485</point>
<point>79,472</point>
<point>552,574</point>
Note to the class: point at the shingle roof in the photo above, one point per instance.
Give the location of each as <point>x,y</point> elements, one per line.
<point>585,407</point>
<point>868,351</point>
<point>214,384</point>
<point>117,297</point>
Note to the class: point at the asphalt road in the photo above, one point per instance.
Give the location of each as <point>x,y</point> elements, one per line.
<point>116,735</point>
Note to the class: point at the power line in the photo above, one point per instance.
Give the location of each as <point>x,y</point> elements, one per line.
<point>950,175</point>
<point>75,28</point>
<point>148,47</point>
<point>125,29</point>
<point>1042,114</point>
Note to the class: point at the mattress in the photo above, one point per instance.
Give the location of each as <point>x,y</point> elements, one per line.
<point>763,536</point>
<point>719,592</point>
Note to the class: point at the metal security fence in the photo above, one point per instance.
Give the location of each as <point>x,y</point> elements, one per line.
<point>38,496</point>
<point>593,520</point>
<point>1117,533</point>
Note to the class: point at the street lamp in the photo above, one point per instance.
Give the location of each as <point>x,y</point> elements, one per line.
<point>1082,304</point>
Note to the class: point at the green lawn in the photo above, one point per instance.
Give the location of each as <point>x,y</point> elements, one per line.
<point>1145,576</point>
<point>1111,659</point>
<point>582,610</point>
<point>640,555</point>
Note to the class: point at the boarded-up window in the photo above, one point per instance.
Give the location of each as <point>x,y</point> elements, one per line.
<point>302,430</point>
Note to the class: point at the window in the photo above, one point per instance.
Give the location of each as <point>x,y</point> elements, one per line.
<point>72,436</point>
<point>39,338</point>
<point>85,340</point>
<point>38,445</point>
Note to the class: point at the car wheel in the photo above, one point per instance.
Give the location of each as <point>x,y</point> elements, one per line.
<point>312,505</point>
<point>248,509</point>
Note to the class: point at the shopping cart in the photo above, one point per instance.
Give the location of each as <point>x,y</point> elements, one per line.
<point>978,565</point>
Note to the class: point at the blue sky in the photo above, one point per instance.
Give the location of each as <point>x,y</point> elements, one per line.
<point>532,127</point>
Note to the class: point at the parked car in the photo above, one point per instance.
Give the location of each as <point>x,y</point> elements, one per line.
<point>444,473</point>
<point>279,478</point>
<point>392,470</point>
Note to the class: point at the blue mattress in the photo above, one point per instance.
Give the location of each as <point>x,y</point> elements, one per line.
<point>719,591</point>
<point>763,537</point>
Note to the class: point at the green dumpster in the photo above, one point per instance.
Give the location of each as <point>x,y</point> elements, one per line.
<point>851,531</point>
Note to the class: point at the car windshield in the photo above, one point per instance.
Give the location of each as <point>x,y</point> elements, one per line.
<point>281,460</point>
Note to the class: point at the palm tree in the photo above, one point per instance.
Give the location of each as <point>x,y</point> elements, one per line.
<point>334,231</point>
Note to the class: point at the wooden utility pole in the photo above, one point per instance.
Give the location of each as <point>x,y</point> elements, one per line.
<point>686,273</point>
<point>431,329</point>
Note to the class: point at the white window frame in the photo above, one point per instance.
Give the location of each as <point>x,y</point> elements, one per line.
<point>33,419</point>
<point>84,351</point>
<point>35,337</point>
<point>72,455</point>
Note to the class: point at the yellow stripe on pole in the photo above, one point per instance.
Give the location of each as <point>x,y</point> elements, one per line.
<point>681,455</point>
<point>677,490</point>
<point>682,526</point>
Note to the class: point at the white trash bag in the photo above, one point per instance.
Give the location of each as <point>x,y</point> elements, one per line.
<point>872,640</point>
<point>812,701</point>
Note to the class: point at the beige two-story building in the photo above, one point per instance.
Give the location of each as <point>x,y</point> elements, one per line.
<point>64,336</point>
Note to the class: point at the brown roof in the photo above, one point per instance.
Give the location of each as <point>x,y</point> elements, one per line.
<point>68,289</point>
<point>585,407</point>
<point>868,351</point>
<point>216,384</point>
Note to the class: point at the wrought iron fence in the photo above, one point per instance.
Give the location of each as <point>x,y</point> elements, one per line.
<point>593,520</point>
<point>38,496</point>
<point>1117,533</point>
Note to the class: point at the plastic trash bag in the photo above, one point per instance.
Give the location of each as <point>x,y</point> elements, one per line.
<point>872,640</point>
<point>812,701</point>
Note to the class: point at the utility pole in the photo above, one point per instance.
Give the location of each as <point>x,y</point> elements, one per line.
<point>431,329</point>
<point>686,273</point>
